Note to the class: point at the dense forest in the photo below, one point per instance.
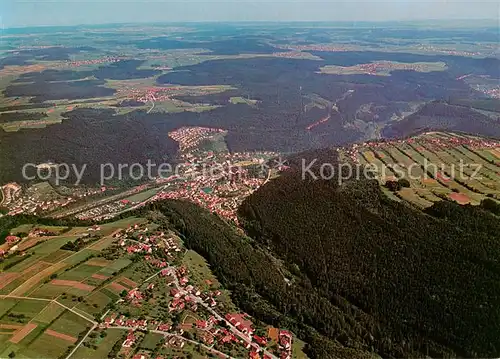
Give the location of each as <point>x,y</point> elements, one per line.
<point>361,275</point>
<point>280,121</point>
<point>266,290</point>
<point>440,115</point>
<point>428,282</point>
<point>351,272</point>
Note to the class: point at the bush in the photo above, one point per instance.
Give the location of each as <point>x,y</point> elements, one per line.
<point>403,182</point>
<point>393,186</point>
<point>491,205</point>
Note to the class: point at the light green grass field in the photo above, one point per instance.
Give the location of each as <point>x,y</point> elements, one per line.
<point>26,307</point>
<point>103,346</point>
<point>79,273</point>
<point>46,346</point>
<point>70,324</point>
<point>22,262</point>
<point>98,299</point>
<point>53,244</point>
<point>79,257</point>
<point>6,305</point>
<point>150,340</point>
<point>49,313</point>
<point>56,256</point>
<point>108,228</point>
<point>242,100</point>
<point>139,197</point>
<point>50,291</point>
<point>23,228</point>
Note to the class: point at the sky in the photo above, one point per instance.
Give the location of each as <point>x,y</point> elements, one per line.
<point>20,13</point>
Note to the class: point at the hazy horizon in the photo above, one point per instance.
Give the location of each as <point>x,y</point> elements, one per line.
<point>20,13</point>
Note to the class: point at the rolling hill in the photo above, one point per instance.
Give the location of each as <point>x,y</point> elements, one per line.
<point>405,283</point>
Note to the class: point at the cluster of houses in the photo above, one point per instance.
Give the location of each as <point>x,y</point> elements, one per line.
<point>431,48</point>
<point>239,328</point>
<point>445,141</point>
<point>32,200</point>
<point>194,192</point>
<point>285,343</point>
<point>149,94</point>
<point>190,137</point>
<point>32,206</point>
<point>220,189</point>
<point>147,242</point>
<point>292,54</point>
<point>102,60</point>
<point>104,211</point>
<point>11,240</point>
<point>9,246</point>
<point>317,47</point>
<point>175,342</point>
<point>10,192</point>
<point>375,68</point>
<point>491,92</point>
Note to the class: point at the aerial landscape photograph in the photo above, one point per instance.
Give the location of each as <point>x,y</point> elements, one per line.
<point>249,179</point>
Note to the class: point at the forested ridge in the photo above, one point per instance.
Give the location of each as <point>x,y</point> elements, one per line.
<point>428,281</point>
<point>258,283</point>
<point>351,272</point>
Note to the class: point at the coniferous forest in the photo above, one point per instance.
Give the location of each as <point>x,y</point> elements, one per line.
<point>359,274</point>
<point>351,272</point>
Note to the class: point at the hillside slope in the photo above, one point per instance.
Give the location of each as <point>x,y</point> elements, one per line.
<point>430,283</point>
<point>442,116</point>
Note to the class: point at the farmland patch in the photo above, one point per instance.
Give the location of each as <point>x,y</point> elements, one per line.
<point>20,334</point>
<point>71,283</point>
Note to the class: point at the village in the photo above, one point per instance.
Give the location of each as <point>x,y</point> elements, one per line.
<point>134,282</point>
<point>215,179</point>
<point>213,327</point>
<point>41,198</point>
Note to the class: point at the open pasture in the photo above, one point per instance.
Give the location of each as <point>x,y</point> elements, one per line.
<point>53,291</point>
<point>142,196</point>
<point>33,281</point>
<point>49,313</point>
<point>18,263</point>
<point>6,304</point>
<point>51,244</point>
<point>22,312</point>
<point>57,256</point>
<point>72,284</point>
<point>79,257</point>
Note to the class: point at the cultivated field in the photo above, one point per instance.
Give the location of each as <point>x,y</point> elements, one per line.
<point>50,297</point>
<point>110,291</point>
<point>462,168</point>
